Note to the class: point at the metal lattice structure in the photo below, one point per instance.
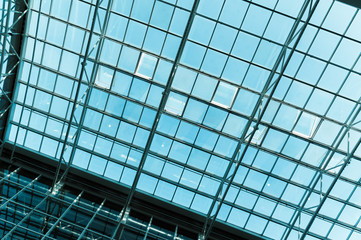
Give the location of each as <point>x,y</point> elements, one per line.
<point>32,210</point>
<point>244,112</point>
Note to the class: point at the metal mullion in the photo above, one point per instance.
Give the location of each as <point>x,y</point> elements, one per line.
<point>334,51</point>
<point>282,55</point>
<point>116,141</point>
<point>268,218</point>
<point>37,131</point>
<point>178,184</point>
<point>337,33</point>
<point>321,117</point>
<point>285,15</point>
<point>91,220</point>
<point>207,48</point>
<point>22,14</point>
<point>230,51</point>
<point>19,192</point>
<point>264,185</point>
<point>48,114</point>
<point>6,32</point>
<point>166,32</point>
<point>122,45</point>
<point>195,169</point>
<point>23,188</point>
<point>336,221</point>
<point>41,63</point>
<point>74,79</point>
<point>320,206</point>
<point>316,114</point>
<point>25,228</point>
<point>260,66</point>
<point>148,227</point>
<point>347,202</point>
<point>12,59</point>
<point>97,135</point>
<point>336,178</point>
<point>27,216</point>
<point>90,87</point>
<point>7,193</point>
<point>42,136</point>
<point>77,93</point>
<point>288,181</point>
<point>107,37</point>
<point>269,125</point>
<point>70,101</point>
<point>201,126</point>
<point>58,201</point>
<point>328,62</point>
<point>323,60</point>
<point>144,231</point>
<point>158,156</point>
<point>63,214</point>
<point>158,114</point>
<point>168,3</point>
<point>260,215</point>
<point>2,20</point>
<point>4,178</point>
<point>354,228</point>
<point>43,67</point>
<point>265,68</point>
<point>326,160</point>
<point>27,87</point>
<point>44,41</point>
<point>147,24</point>
<point>261,37</point>
<point>181,164</point>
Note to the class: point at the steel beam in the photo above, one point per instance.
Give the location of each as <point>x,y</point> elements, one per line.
<point>90,88</point>
<point>59,201</point>
<point>11,33</point>
<point>160,110</point>
<point>91,220</point>
<point>32,60</point>
<point>10,174</point>
<point>328,157</point>
<point>75,105</point>
<point>100,188</point>
<point>324,197</point>
<point>24,228</point>
<point>269,86</point>
<point>62,215</point>
<point>19,192</point>
<point>27,215</point>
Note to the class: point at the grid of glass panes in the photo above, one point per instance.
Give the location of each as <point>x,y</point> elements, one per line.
<point>230,51</point>
<point>4,38</point>
<point>135,62</point>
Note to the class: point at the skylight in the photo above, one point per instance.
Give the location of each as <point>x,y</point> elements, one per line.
<point>212,64</point>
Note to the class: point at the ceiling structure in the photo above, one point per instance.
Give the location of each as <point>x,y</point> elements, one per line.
<point>246,112</point>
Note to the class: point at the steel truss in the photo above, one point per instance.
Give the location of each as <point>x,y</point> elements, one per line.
<point>13,13</point>
<point>52,221</point>
<point>11,53</point>
<point>59,179</point>
<point>160,110</point>
<point>258,112</point>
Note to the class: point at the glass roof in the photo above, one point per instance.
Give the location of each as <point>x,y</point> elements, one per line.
<point>244,110</point>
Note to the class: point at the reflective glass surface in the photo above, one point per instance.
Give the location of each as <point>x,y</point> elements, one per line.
<point>213,72</point>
